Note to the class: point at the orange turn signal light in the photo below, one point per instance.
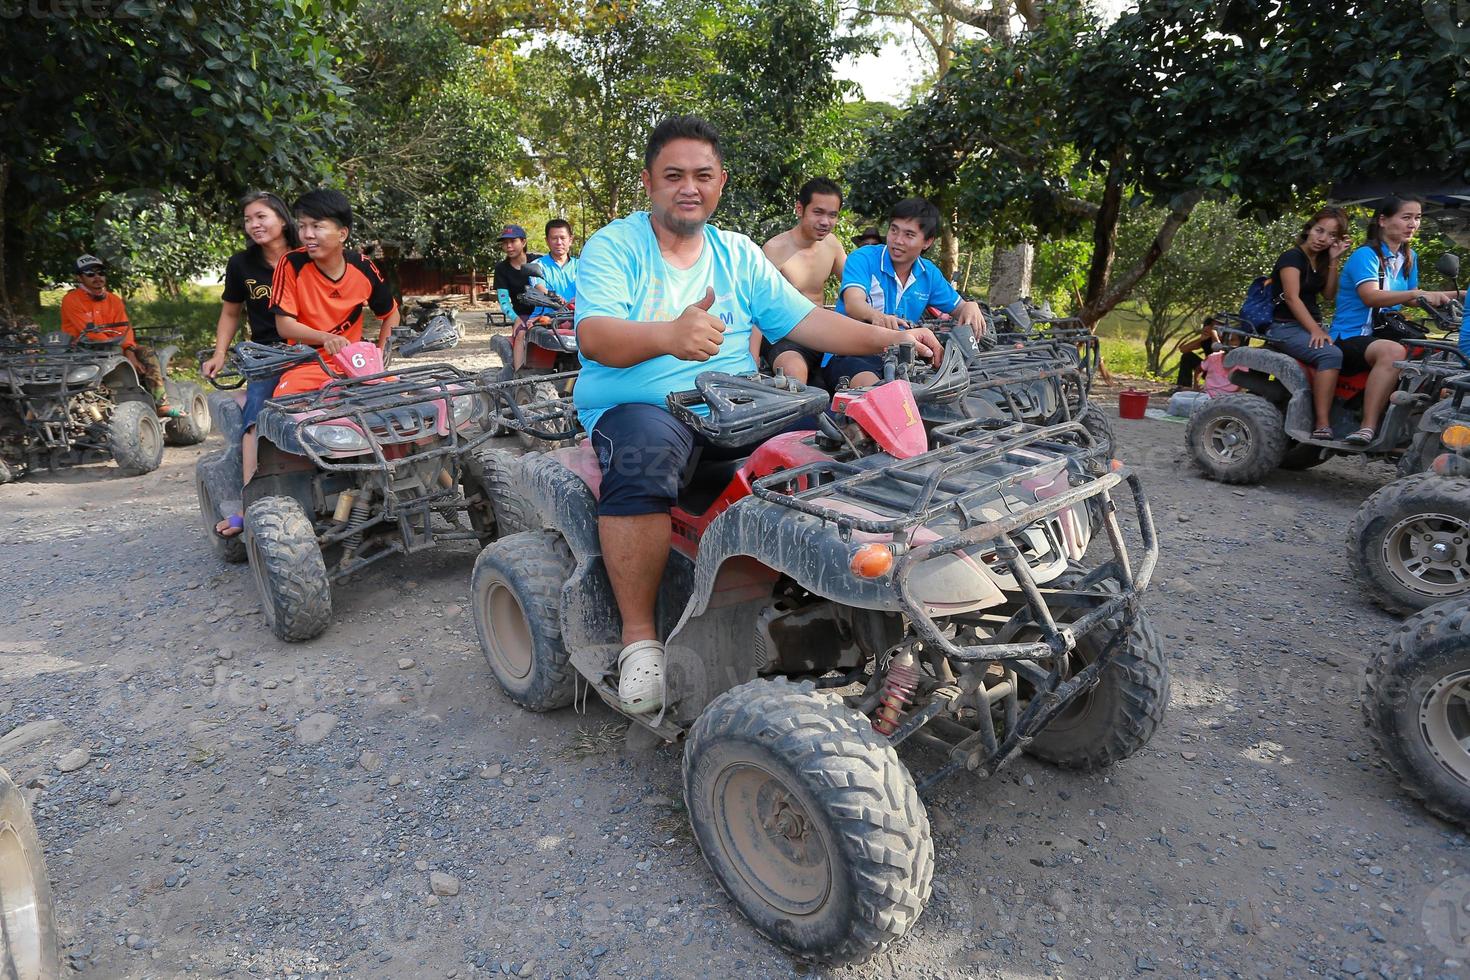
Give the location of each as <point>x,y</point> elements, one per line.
<point>1456,436</point>
<point>1116,465</point>
<point>871,561</point>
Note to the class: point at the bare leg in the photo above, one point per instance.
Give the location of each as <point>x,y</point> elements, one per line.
<point>863,379</point>
<point>793,365</point>
<point>1323,386</point>
<point>635,550</point>
<point>1382,379</point>
<point>248,462</point>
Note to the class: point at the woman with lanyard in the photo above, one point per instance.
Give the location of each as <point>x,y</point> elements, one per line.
<point>271,233</point>
<point>1381,275</point>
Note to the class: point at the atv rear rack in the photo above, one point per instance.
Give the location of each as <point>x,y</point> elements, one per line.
<point>950,481</point>
<point>379,404</point>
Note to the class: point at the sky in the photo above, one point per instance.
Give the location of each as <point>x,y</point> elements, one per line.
<point>888,74</point>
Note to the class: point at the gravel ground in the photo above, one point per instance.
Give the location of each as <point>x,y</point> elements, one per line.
<point>370,805</point>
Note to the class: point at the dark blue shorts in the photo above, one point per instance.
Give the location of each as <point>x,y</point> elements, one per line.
<point>256,394</point>
<point>646,456</point>
<point>840,371</point>
<point>1293,339</point>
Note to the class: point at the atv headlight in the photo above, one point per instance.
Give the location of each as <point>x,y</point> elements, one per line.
<point>336,438</point>
<point>465,408</point>
<point>82,375</point>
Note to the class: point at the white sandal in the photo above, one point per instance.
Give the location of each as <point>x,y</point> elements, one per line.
<point>641,677</point>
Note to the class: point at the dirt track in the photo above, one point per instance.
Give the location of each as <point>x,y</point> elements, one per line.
<point>255,807</point>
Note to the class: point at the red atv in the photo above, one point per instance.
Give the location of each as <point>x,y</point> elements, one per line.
<point>843,590</point>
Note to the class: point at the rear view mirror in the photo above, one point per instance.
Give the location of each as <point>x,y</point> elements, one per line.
<point>1449,266</point>
<point>534,270</point>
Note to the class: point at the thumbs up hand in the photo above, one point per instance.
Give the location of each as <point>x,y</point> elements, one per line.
<point>695,335</point>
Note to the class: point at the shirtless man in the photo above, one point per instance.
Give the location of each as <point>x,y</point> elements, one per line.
<point>807,256</point>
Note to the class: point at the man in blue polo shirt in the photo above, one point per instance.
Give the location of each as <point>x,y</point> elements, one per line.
<point>558,263</point>
<point>891,286</point>
<point>664,297</point>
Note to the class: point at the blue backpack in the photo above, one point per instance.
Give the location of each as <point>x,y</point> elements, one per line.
<point>1260,303</point>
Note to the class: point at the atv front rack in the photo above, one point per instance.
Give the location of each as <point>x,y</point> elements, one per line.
<point>976,463</point>
<point>517,406</point>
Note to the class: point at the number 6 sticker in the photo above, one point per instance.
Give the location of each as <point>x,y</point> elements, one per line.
<point>358,360</point>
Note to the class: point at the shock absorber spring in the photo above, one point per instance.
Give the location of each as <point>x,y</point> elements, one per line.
<point>361,509</point>
<point>898,688</point>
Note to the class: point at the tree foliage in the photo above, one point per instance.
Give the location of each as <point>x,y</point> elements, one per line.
<point>208,96</point>
<point>1176,101</point>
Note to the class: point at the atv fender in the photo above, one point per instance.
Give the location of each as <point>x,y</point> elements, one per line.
<point>227,415</point>
<point>1292,377</point>
<point>122,376</point>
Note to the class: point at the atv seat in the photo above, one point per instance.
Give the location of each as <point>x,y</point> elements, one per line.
<point>705,484</point>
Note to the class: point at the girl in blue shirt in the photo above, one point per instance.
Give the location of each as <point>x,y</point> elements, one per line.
<point>1381,275</point>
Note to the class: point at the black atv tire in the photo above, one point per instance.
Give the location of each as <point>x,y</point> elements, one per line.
<point>135,437</point>
<point>504,511</point>
<point>287,565</point>
<point>808,820</point>
<point>1096,422</point>
<point>1121,713</point>
<point>1400,570</point>
<point>515,595</point>
<point>540,392</point>
<point>28,938</point>
<point>191,428</point>
<point>1237,438</point>
<point>231,549</point>
<point>6,473</point>
<point>1412,713</point>
<point>1302,456</point>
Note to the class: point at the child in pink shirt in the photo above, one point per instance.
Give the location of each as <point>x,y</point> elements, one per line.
<point>1217,376</point>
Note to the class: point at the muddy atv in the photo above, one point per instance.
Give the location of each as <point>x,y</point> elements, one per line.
<point>373,464</point>
<point>1416,702</point>
<point>837,594</point>
<point>1042,383</point>
<point>65,404</point>
<point>1409,545</point>
<point>428,329</point>
<point>541,346</point>
<point>1243,436</point>
<point>1024,324</point>
<point>28,939</point>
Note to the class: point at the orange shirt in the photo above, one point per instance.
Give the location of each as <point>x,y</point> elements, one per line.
<point>107,316</point>
<point>299,289</point>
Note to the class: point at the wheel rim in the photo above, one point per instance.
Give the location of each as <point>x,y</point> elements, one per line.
<point>148,437</point>
<point>257,571</point>
<point>1444,720</point>
<point>1430,554</point>
<point>21,904</point>
<point>206,506</point>
<point>1228,440</point>
<point>508,633</point>
<point>199,413</point>
<point>770,839</point>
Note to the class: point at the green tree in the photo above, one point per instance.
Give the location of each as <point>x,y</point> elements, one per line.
<point>207,97</point>
<point>432,140</point>
<point>1062,131</point>
<point>777,103</point>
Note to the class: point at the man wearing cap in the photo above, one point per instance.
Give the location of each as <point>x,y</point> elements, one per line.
<point>870,236</point>
<point>510,272</point>
<point>92,312</point>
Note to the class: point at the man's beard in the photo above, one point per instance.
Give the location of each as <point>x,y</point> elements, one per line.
<point>683,227</point>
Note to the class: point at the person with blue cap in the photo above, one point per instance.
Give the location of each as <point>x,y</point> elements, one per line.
<point>510,272</point>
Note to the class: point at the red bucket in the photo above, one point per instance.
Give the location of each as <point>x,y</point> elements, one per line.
<point>1131,403</point>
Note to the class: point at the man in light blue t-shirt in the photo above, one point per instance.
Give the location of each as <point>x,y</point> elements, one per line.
<point>558,264</point>
<point>892,285</point>
<point>664,296</point>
